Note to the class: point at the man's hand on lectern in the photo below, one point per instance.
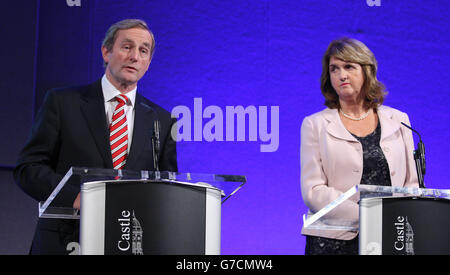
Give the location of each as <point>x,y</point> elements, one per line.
<point>77,202</point>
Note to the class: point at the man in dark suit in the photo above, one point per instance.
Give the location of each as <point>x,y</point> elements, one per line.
<point>78,127</point>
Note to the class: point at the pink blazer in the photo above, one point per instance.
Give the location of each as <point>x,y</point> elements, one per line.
<point>332,162</point>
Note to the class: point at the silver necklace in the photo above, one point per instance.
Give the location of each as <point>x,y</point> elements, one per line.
<point>356,118</point>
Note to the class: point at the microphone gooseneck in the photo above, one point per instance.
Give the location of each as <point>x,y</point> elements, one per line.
<point>419,157</point>
<point>156,144</point>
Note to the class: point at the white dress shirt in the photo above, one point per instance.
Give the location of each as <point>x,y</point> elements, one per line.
<point>109,93</point>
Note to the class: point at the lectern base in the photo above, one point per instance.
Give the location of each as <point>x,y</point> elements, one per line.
<point>404,226</point>
<point>149,217</point>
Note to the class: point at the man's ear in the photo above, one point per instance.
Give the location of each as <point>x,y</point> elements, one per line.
<point>105,54</point>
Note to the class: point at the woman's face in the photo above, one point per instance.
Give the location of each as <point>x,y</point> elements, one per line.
<point>347,79</point>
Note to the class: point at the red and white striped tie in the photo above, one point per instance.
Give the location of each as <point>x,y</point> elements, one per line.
<point>118,134</point>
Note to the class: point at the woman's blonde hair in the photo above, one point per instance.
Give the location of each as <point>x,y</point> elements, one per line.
<point>354,51</point>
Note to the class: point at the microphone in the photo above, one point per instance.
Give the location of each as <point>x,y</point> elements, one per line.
<point>155,139</point>
<point>156,144</point>
<point>419,157</point>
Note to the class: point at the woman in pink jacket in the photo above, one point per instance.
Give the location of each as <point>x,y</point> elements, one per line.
<point>354,141</point>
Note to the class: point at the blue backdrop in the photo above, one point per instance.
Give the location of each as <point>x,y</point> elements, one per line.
<point>262,53</point>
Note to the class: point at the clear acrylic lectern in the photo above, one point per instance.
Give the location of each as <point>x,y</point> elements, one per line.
<point>389,218</point>
<point>227,184</point>
<point>144,212</point>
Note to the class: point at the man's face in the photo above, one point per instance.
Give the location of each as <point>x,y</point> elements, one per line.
<point>129,58</point>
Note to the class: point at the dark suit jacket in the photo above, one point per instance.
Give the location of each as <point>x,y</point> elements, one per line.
<point>71,129</point>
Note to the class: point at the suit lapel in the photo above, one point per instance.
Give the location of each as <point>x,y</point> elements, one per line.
<point>142,132</point>
<point>388,125</point>
<point>93,109</point>
<point>335,126</point>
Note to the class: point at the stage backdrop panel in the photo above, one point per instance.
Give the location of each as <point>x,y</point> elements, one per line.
<point>260,53</point>
<point>18,29</point>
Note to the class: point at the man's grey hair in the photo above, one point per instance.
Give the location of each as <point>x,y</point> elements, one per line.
<point>111,33</point>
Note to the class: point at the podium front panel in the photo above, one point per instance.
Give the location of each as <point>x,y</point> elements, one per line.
<point>149,217</point>
<point>404,226</point>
